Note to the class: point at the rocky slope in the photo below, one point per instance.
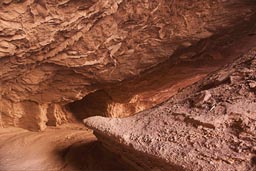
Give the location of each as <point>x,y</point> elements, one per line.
<point>56,52</point>
<point>207,126</point>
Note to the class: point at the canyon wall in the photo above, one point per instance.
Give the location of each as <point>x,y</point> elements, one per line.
<point>53,53</point>
<point>209,125</point>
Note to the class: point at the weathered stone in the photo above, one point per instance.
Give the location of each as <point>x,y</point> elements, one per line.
<point>174,136</point>
<point>252,84</point>
<point>59,52</point>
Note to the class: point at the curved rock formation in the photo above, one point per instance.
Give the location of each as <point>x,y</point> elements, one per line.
<point>57,52</point>
<point>207,126</point>
<point>62,61</point>
<point>69,148</point>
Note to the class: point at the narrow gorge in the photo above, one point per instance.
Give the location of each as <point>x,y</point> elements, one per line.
<point>128,85</point>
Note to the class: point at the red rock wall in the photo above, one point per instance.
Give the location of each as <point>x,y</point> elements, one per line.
<point>57,52</point>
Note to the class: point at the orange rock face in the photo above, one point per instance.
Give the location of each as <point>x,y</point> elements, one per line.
<point>207,126</point>
<point>57,52</point>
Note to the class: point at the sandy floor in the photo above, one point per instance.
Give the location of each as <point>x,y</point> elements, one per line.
<point>66,148</point>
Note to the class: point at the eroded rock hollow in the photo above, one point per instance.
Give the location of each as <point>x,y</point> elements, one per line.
<point>147,66</point>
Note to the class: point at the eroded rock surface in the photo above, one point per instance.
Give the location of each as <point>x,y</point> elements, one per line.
<point>56,52</point>
<point>68,148</point>
<point>207,126</point>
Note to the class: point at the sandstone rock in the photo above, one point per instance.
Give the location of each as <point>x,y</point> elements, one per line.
<point>59,52</point>
<point>252,84</point>
<point>66,148</point>
<point>174,136</point>
<point>201,98</point>
<point>58,115</point>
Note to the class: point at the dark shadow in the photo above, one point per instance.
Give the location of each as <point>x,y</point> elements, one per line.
<point>94,104</point>
<point>91,156</point>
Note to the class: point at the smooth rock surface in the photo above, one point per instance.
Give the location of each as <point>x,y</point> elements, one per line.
<point>70,147</point>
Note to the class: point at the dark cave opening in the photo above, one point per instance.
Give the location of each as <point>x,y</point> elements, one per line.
<point>93,104</point>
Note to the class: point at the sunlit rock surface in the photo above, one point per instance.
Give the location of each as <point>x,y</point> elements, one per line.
<point>56,52</point>
<point>62,61</point>
<point>207,126</point>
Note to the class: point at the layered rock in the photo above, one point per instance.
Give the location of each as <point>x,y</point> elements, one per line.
<point>57,52</point>
<point>207,126</point>
<point>160,83</point>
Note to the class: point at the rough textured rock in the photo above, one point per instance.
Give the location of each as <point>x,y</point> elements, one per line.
<point>162,82</point>
<point>56,52</point>
<point>207,126</point>
<point>32,115</point>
